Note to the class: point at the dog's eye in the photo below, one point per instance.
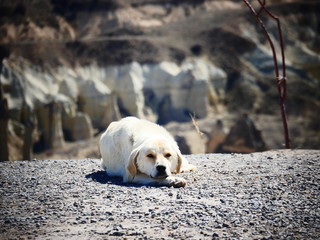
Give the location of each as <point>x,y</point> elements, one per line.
<point>150,155</point>
<point>167,155</point>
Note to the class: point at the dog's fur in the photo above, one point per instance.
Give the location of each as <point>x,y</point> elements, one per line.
<point>142,152</point>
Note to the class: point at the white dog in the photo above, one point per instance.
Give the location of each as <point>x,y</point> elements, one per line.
<point>142,152</point>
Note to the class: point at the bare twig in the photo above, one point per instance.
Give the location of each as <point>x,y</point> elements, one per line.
<point>195,124</point>
<point>281,79</point>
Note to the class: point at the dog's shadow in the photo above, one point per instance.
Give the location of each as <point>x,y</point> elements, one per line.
<point>103,178</point>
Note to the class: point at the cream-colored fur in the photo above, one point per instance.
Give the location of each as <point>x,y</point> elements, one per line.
<point>142,152</point>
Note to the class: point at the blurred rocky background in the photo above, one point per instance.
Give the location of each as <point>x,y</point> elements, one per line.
<point>201,68</point>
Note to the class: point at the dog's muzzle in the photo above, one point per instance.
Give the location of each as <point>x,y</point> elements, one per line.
<point>161,172</point>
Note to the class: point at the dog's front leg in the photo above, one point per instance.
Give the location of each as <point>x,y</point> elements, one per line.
<point>170,181</point>
<point>173,181</point>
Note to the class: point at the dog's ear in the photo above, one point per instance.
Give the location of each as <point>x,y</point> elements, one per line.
<point>132,163</point>
<point>178,169</point>
<point>131,168</point>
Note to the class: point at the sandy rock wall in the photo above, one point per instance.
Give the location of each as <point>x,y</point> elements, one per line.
<point>94,62</point>
<point>94,96</point>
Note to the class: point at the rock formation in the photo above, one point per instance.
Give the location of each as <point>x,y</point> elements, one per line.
<point>243,137</point>
<point>77,100</point>
<point>67,72</point>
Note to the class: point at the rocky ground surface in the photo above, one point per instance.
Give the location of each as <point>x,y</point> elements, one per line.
<point>268,195</point>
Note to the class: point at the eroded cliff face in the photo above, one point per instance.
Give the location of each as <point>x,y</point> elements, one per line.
<point>71,70</point>
<point>83,98</point>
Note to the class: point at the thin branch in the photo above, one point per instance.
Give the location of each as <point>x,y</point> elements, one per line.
<point>281,80</point>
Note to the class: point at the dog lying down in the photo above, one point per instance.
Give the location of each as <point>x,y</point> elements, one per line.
<point>142,152</point>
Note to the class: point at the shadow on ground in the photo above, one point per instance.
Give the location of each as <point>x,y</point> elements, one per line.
<point>103,178</point>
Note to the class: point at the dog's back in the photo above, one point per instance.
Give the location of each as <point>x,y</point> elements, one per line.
<point>114,148</point>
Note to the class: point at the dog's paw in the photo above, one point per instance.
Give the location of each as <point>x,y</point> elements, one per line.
<point>175,181</point>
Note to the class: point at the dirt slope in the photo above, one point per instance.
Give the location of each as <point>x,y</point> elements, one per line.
<point>269,195</point>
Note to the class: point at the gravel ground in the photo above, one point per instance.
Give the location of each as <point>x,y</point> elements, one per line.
<point>269,195</point>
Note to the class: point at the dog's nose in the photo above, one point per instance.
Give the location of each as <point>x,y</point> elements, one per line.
<point>161,169</point>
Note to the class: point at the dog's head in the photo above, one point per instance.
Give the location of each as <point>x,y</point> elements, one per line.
<point>155,158</point>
